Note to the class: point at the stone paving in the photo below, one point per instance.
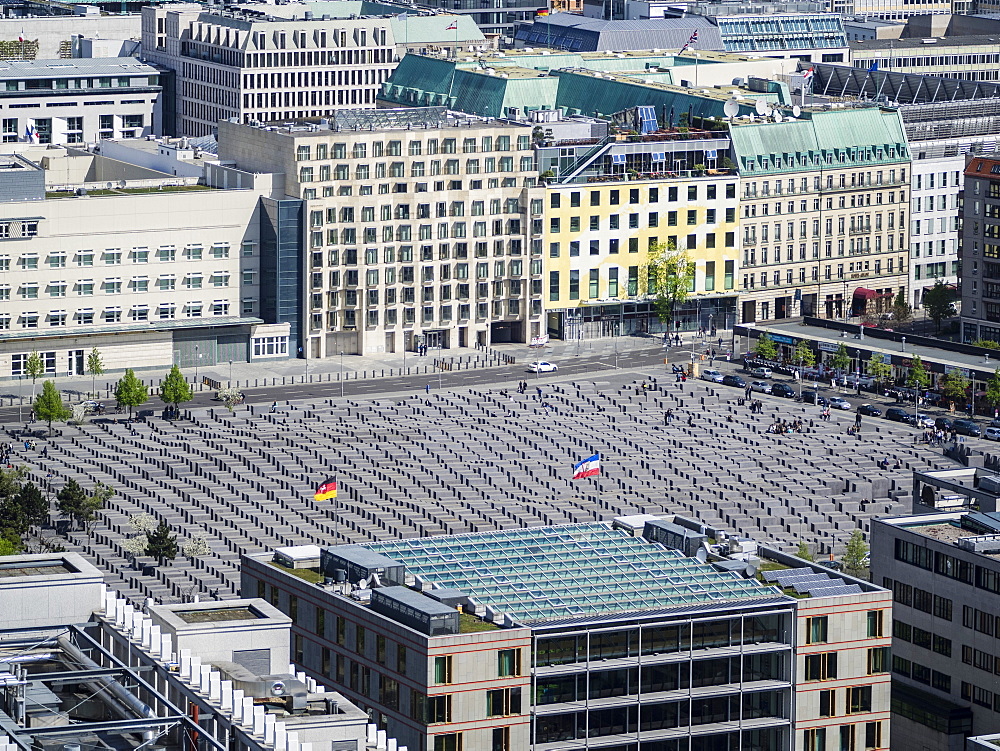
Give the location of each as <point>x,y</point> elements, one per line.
<point>475,459</point>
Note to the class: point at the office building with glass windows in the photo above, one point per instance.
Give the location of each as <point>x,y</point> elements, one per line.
<point>587,636</point>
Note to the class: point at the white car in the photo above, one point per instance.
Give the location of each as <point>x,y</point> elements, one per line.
<point>541,366</point>
<point>992,434</point>
<point>761,387</point>
<point>761,372</point>
<point>838,402</point>
<point>711,375</point>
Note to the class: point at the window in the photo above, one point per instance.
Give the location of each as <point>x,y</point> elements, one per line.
<point>442,669</point>
<point>821,667</point>
<point>815,739</point>
<point>874,621</point>
<point>501,736</point>
<point>449,741</point>
<point>508,662</point>
<point>873,735</point>
<point>878,660</point>
<point>439,709</point>
<point>859,699</point>
<point>828,703</point>
<point>816,629</point>
<point>501,702</point>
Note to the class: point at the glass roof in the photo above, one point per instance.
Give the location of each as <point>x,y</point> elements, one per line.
<point>575,570</point>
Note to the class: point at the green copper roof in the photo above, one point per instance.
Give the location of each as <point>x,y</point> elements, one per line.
<point>849,137</point>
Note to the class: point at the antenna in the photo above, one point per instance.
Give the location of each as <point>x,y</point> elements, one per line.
<point>777,116</point>
<point>796,111</point>
<point>731,108</point>
<point>761,108</point>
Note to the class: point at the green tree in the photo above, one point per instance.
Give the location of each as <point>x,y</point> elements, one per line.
<point>668,278</point>
<point>803,552</point>
<point>8,547</point>
<point>857,550</point>
<point>71,499</point>
<point>34,505</point>
<point>49,405</point>
<point>174,390</point>
<point>766,348</point>
<point>130,391</point>
<point>986,344</point>
<point>34,368</point>
<point>954,385</point>
<point>93,504</point>
<point>917,378</point>
<point>993,388</point>
<point>95,366</point>
<point>902,311</point>
<point>939,301</point>
<point>161,544</point>
<point>880,371</point>
<point>841,361</point>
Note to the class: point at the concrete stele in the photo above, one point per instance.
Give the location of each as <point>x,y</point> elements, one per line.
<point>215,686</point>
<point>258,715</point>
<point>166,647</point>
<point>186,664</point>
<point>247,719</point>
<point>155,642</point>
<point>205,678</point>
<point>280,737</point>
<point>269,720</point>
<point>295,745</point>
<point>380,738</point>
<point>226,699</point>
<point>370,731</point>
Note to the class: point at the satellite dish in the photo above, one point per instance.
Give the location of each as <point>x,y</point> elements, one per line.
<point>731,108</point>
<point>796,111</point>
<point>777,116</point>
<point>701,554</point>
<point>750,571</point>
<point>761,108</point>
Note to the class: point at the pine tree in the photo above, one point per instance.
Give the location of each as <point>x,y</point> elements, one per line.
<point>130,391</point>
<point>34,505</point>
<point>174,390</point>
<point>49,405</point>
<point>857,551</point>
<point>161,544</point>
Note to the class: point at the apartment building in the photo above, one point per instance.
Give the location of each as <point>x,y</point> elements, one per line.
<point>266,62</point>
<point>151,269</point>
<point>825,212</point>
<point>598,238</point>
<point>980,249</point>
<point>78,101</point>
<point>422,227</point>
<point>604,638</point>
<point>944,571</point>
<point>936,185</point>
<point>970,58</point>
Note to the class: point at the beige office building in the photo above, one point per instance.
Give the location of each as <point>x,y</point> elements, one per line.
<point>422,227</point>
<point>824,214</point>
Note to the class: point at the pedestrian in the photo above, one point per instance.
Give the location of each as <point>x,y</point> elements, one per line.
<point>274,407</point>
<point>427,388</point>
<point>31,415</point>
<point>857,421</point>
<point>539,390</point>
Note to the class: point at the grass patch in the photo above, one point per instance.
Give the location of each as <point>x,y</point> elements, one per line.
<point>128,191</point>
<point>308,574</point>
<point>772,566</point>
<point>469,624</point>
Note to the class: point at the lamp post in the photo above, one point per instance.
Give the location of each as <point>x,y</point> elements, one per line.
<point>440,359</point>
<point>197,362</point>
<point>341,373</point>
<point>20,398</point>
<point>230,373</point>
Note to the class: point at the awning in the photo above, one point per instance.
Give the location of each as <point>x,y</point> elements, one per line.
<point>867,294</point>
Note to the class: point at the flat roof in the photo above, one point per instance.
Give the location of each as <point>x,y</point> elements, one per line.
<point>569,571</point>
<point>930,43</point>
<point>78,66</point>
<point>35,568</point>
<point>217,615</point>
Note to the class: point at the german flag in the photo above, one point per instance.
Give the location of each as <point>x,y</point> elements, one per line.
<point>326,491</point>
<point>542,12</point>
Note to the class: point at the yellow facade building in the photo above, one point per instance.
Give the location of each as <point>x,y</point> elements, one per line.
<point>597,238</point>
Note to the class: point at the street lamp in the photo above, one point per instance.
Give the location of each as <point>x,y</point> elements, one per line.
<point>440,360</point>
<point>341,373</point>
<point>20,398</point>
<point>230,373</point>
<point>197,362</point>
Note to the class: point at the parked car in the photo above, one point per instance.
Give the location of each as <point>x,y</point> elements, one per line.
<point>761,387</point>
<point>814,397</point>
<point>760,372</point>
<point>834,565</point>
<point>992,434</point>
<point>869,410</point>
<point>966,427</point>
<point>839,402</point>
<point>943,423</point>
<point>733,380</point>
<point>782,389</point>
<point>90,407</point>
<point>711,375</point>
<point>896,414</point>
<point>541,366</point>
<point>922,421</point>
<point>853,379</point>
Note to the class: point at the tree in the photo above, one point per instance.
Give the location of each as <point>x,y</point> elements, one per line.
<point>34,368</point>
<point>939,301</point>
<point>954,385</point>
<point>669,273</point>
<point>93,503</point>
<point>856,552</point>
<point>142,523</point>
<point>880,371</point>
<point>902,311</point>
<point>766,348</point>
<point>841,360</point>
<point>34,505</point>
<point>174,390</point>
<point>803,552</point>
<point>161,544</point>
<point>130,391</point>
<point>196,547</point>
<point>95,366</point>
<point>917,378</point>
<point>49,405</point>
<point>70,499</point>
<point>986,344</point>
<point>136,545</point>
<point>230,397</point>
<point>804,357</point>
<point>993,388</point>
<point>8,547</point>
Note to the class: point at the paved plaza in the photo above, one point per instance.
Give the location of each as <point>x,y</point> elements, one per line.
<point>475,459</point>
